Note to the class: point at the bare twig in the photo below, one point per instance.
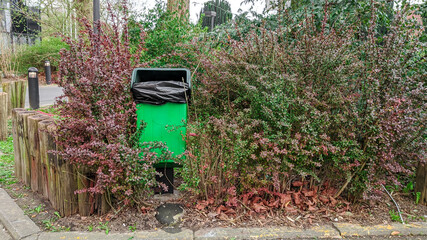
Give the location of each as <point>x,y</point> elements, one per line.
<point>395,203</point>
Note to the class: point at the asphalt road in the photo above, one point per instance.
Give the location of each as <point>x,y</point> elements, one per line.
<point>48,94</point>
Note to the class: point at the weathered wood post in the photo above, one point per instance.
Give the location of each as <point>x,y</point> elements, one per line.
<point>16,94</point>
<point>83,182</point>
<point>54,172</point>
<point>69,178</point>
<point>34,153</point>
<point>421,183</point>
<point>16,146</point>
<point>44,159</point>
<point>3,116</point>
<point>24,145</point>
<point>66,182</point>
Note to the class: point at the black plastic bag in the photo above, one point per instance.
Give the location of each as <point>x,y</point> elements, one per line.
<point>160,92</point>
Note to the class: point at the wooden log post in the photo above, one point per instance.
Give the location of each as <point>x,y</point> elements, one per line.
<point>83,182</point>
<point>3,116</point>
<point>34,153</point>
<point>66,184</point>
<point>16,146</point>
<point>101,204</point>
<point>69,178</point>
<point>55,173</point>
<point>90,203</point>
<point>421,183</point>
<point>52,163</point>
<point>25,146</point>
<point>16,91</point>
<point>44,158</point>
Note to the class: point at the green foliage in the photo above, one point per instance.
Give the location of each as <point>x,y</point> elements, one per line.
<point>132,228</point>
<point>422,11</point>
<point>35,55</point>
<point>36,210</point>
<point>39,208</point>
<point>316,96</point>
<point>394,216</point>
<point>222,9</point>
<point>409,187</point>
<point>417,197</point>
<point>49,224</point>
<point>7,160</point>
<point>104,227</point>
<point>164,35</point>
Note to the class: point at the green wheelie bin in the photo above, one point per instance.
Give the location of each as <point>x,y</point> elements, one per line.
<point>161,96</point>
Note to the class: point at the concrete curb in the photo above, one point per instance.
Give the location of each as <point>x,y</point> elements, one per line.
<point>20,227</point>
<point>184,234</point>
<point>393,229</point>
<point>266,233</point>
<point>13,218</point>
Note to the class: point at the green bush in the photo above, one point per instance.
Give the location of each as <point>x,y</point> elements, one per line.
<point>35,55</point>
<point>308,102</point>
<point>164,35</point>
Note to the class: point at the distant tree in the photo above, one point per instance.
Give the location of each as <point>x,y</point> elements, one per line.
<point>83,8</point>
<point>179,8</point>
<point>222,9</point>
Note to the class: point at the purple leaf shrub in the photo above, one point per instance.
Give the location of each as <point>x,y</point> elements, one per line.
<point>97,128</point>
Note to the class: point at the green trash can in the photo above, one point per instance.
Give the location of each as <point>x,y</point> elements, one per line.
<point>161,96</point>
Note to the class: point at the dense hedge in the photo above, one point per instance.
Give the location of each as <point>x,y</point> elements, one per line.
<point>311,102</point>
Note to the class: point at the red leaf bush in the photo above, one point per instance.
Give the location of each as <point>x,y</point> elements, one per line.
<point>97,129</point>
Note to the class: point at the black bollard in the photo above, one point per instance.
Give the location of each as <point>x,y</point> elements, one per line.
<point>47,72</point>
<point>33,87</point>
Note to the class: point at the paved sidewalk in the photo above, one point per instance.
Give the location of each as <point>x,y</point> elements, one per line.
<point>19,226</point>
<point>4,235</point>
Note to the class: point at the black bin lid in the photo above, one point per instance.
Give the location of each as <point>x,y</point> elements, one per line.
<point>161,74</point>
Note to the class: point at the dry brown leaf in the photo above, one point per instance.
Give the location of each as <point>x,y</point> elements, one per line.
<point>259,207</point>
<point>297,184</point>
<point>285,198</point>
<point>323,199</point>
<point>311,208</point>
<point>333,201</point>
<point>220,209</point>
<point>201,205</point>
<point>309,193</point>
<point>230,211</point>
<point>274,204</point>
<point>290,209</point>
<point>296,198</point>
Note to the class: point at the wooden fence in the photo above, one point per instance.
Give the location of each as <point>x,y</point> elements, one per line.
<point>16,91</point>
<point>45,172</point>
<point>3,116</point>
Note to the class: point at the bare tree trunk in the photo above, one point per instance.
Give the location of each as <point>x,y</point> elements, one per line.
<point>179,9</point>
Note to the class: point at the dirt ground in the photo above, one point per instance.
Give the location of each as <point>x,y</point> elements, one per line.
<point>133,219</point>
